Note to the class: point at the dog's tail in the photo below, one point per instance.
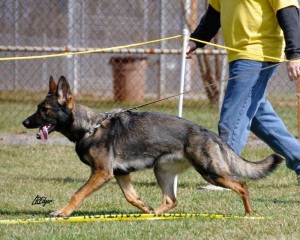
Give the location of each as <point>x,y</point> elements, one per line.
<point>254,170</point>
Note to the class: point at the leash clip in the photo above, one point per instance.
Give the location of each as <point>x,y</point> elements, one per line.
<point>93,129</point>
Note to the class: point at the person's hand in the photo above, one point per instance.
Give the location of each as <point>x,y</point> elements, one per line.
<point>190,48</point>
<point>293,69</point>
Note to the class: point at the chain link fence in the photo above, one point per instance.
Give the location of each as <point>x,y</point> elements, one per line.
<point>116,78</point>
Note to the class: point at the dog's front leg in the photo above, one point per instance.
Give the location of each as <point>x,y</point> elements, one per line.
<point>97,179</point>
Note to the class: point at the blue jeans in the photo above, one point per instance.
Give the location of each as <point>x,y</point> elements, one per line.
<point>245,108</point>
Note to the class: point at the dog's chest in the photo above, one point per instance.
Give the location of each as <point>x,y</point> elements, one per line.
<point>83,151</point>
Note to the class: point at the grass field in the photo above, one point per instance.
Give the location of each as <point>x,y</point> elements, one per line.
<point>55,172</point>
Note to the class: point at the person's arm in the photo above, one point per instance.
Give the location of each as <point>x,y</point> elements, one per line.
<point>206,30</point>
<point>289,21</point>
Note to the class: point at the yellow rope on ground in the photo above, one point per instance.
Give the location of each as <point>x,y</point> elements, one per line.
<point>125,217</point>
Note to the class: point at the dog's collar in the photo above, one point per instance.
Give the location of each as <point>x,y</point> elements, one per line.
<point>106,115</point>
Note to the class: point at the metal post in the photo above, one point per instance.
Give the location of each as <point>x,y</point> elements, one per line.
<point>72,41</point>
<point>17,39</point>
<point>163,32</point>
<point>185,37</point>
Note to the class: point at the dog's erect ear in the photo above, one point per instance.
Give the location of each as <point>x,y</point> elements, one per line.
<point>52,86</point>
<point>64,93</point>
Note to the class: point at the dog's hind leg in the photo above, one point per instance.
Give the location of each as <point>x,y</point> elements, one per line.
<point>167,180</point>
<point>130,194</point>
<point>97,179</point>
<point>240,188</point>
<point>169,189</point>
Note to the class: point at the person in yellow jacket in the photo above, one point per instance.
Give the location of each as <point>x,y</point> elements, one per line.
<point>259,30</point>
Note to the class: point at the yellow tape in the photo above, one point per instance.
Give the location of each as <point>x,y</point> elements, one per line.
<point>124,217</point>
<point>88,51</point>
<point>135,45</point>
<point>236,50</point>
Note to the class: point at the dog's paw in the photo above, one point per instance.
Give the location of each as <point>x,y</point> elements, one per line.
<point>59,213</point>
<point>149,210</point>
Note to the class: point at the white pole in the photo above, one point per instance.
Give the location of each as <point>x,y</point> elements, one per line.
<point>185,37</point>
<point>222,83</point>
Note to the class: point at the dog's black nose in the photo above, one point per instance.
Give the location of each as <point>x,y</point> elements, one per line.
<point>26,123</point>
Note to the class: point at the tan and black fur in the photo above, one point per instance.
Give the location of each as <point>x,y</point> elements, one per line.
<point>130,141</point>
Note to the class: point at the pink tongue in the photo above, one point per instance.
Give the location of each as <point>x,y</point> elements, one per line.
<point>44,133</point>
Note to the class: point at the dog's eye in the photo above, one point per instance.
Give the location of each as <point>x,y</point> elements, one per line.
<point>44,109</point>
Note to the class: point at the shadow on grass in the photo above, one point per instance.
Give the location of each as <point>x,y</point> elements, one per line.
<point>24,212</point>
<point>55,179</point>
<point>139,183</point>
<point>181,184</point>
<point>45,214</point>
<point>112,212</point>
<point>277,201</point>
<point>263,184</point>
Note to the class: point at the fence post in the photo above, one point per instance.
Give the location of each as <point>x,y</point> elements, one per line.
<point>185,37</point>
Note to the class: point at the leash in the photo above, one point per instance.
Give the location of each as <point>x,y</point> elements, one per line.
<point>208,85</point>
<point>110,115</point>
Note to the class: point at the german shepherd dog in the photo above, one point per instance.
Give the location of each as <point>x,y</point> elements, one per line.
<point>121,142</point>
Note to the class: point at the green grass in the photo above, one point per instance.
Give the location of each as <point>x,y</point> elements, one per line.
<point>56,173</point>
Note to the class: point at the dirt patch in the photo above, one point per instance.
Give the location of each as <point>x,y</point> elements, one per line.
<point>26,139</point>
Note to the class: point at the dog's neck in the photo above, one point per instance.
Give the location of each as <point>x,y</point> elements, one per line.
<point>82,120</point>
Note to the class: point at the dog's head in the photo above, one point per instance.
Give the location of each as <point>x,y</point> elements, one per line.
<point>55,111</point>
